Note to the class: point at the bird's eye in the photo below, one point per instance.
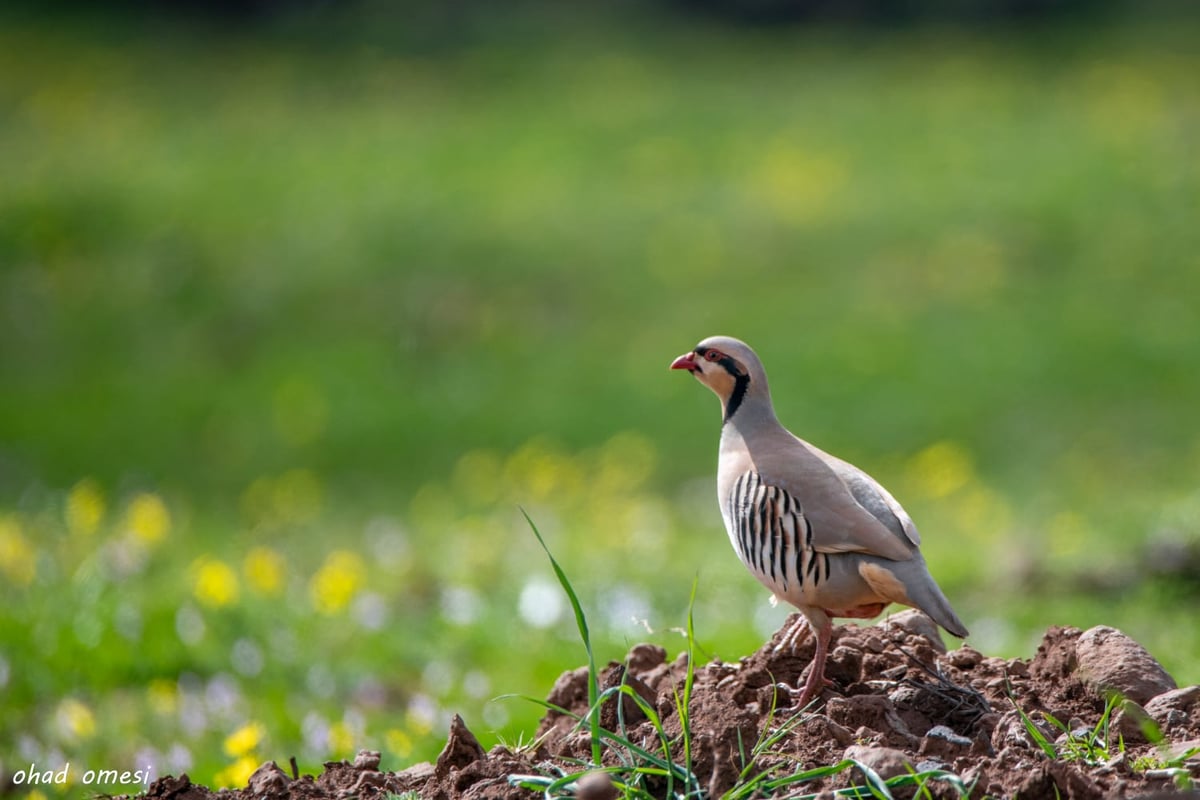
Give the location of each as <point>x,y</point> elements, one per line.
<point>712,355</point>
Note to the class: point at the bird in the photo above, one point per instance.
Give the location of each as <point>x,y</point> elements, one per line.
<point>815,530</point>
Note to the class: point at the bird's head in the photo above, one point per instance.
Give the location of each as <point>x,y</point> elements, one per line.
<point>730,368</point>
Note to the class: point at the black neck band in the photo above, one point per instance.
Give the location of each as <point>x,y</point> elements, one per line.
<point>741,382</point>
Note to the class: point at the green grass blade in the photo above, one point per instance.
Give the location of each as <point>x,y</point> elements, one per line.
<point>1038,737</point>
<point>581,621</point>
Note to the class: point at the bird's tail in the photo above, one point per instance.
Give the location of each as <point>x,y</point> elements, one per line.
<point>919,589</point>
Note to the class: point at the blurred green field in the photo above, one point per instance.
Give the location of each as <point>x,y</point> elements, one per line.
<point>292,325</point>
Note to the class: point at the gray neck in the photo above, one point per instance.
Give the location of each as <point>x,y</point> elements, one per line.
<point>753,415</point>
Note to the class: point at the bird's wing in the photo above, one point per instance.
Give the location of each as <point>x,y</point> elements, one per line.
<point>873,497</point>
<point>848,510</point>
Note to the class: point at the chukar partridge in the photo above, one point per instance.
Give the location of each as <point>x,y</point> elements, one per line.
<point>817,531</point>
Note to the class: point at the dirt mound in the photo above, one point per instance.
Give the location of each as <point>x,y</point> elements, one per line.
<point>899,704</point>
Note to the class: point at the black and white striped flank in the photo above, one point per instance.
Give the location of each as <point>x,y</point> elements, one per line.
<point>773,537</point>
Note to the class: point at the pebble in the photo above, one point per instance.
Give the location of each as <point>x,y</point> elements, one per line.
<point>886,761</point>
<point>595,786</point>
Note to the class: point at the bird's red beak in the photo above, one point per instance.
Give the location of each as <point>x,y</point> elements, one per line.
<point>686,361</point>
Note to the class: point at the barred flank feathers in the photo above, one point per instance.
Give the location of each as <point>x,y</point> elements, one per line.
<point>770,525</point>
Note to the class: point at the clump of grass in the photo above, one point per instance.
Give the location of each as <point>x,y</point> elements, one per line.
<point>1165,763</point>
<point>640,773</point>
<point>1089,746</point>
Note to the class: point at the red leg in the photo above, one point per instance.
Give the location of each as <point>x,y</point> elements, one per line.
<point>816,674</point>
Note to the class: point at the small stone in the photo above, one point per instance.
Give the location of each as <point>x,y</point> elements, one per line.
<point>1010,732</point>
<point>1017,668</point>
<point>1184,700</point>
<point>1177,750</point>
<point>367,760</point>
<point>839,733</point>
<point>595,786</point>
<point>965,657</point>
<point>1130,721</point>
<point>873,643</point>
<point>916,622</point>
<point>417,773</point>
<point>844,665</point>
<point>1108,660</point>
<point>886,761</point>
<point>269,781</point>
<point>942,732</point>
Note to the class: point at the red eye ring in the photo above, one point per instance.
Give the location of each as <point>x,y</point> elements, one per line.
<point>712,355</point>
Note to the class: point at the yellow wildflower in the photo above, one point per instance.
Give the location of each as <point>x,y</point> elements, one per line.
<point>75,720</point>
<point>797,184</point>
<point>238,773</point>
<point>147,518</point>
<point>85,507</point>
<point>245,740</point>
<point>398,742</point>
<point>264,570</point>
<point>341,738</point>
<point>163,696</point>
<point>942,468</point>
<point>337,581</point>
<point>214,583</point>
<point>18,561</point>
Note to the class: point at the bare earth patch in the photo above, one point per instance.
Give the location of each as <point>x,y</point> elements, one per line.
<point>899,702</point>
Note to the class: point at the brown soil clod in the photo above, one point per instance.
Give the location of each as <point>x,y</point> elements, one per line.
<point>899,701</point>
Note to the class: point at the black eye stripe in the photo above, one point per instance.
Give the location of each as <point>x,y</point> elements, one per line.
<point>729,363</point>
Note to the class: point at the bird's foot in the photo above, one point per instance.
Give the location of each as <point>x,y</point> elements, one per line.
<point>801,696</point>
<point>793,636</point>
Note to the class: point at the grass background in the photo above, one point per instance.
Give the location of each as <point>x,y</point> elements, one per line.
<point>294,317</point>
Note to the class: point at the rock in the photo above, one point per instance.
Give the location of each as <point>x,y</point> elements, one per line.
<point>1175,706</point>
<point>595,786</point>
<point>367,760</point>
<point>964,657</point>
<point>830,729</point>
<point>269,781</point>
<point>1016,668</point>
<point>915,622</point>
<point>944,744</point>
<point>844,665</point>
<point>887,762</point>
<point>417,773</point>
<point>942,732</point>
<point>1177,749</point>
<point>1010,732</point>
<point>462,748</point>
<point>1108,660</point>
<point>1130,722</point>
